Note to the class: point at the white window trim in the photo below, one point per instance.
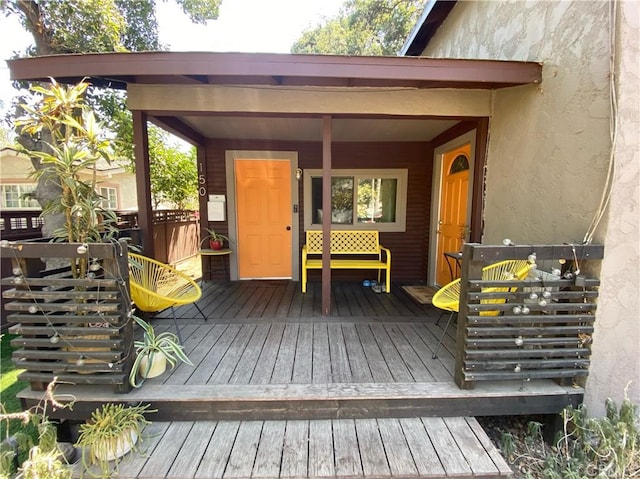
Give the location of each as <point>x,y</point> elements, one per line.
<point>400,174</point>
<point>16,208</point>
<point>106,197</point>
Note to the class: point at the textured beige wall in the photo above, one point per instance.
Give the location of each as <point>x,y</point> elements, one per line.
<point>616,342</point>
<point>309,100</point>
<point>549,149</point>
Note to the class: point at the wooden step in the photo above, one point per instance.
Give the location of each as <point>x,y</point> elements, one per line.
<point>322,401</point>
<point>429,447</point>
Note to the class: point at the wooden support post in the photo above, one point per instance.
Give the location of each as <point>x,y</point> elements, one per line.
<point>326,216</point>
<point>470,270</point>
<point>202,205</point>
<point>143,180</point>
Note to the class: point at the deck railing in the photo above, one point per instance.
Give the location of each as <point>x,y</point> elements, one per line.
<point>77,329</point>
<point>541,330</point>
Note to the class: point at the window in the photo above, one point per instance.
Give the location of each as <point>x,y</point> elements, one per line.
<point>109,197</point>
<point>360,199</point>
<point>13,197</point>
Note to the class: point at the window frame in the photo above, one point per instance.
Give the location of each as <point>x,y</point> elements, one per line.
<point>32,187</point>
<point>401,175</point>
<point>105,198</point>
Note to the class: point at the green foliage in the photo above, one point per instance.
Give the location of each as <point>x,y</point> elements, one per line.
<point>45,464</point>
<point>173,173</point>
<point>38,453</point>
<point>213,235</point>
<point>606,447</point>
<point>166,344</point>
<point>363,27</point>
<point>63,26</point>
<point>104,432</point>
<point>77,144</point>
<point>200,11</point>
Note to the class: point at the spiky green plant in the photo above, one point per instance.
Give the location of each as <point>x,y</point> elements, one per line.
<point>587,447</point>
<point>69,142</point>
<point>167,344</point>
<point>106,432</point>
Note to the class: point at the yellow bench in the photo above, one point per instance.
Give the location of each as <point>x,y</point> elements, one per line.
<point>352,243</point>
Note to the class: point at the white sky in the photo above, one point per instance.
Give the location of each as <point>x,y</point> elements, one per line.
<point>242,26</point>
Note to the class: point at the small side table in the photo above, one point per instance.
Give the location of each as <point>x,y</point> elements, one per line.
<point>457,256</point>
<point>221,253</point>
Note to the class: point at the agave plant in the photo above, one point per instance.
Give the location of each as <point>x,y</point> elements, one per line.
<point>165,345</point>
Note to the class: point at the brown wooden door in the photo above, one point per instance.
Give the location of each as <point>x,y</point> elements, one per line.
<point>452,225</point>
<point>264,215</point>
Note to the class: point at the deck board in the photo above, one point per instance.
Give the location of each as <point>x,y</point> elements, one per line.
<point>295,451</point>
<point>397,450</point>
<point>269,455</point>
<point>244,450</point>
<point>424,454</point>
<point>345,442</point>
<point>214,460</point>
<point>269,355</point>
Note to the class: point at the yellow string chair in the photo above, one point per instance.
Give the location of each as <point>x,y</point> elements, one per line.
<point>447,298</point>
<point>156,286</point>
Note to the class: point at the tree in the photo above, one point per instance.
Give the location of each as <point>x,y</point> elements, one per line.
<point>75,144</point>
<point>89,26</point>
<point>174,174</point>
<point>363,27</point>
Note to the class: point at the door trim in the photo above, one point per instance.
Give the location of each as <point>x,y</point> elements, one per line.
<point>436,193</point>
<point>292,157</point>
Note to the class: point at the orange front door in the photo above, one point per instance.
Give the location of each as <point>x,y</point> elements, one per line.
<point>264,214</point>
<point>452,226</point>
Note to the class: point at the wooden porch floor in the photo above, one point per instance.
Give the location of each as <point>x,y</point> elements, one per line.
<point>279,391</point>
<point>340,448</point>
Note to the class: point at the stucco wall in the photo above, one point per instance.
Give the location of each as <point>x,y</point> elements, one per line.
<point>617,337</point>
<point>548,152</point>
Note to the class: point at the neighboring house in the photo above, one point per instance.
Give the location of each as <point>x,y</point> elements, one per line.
<point>115,184</point>
<point>524,142</point>
<point>550,146</point>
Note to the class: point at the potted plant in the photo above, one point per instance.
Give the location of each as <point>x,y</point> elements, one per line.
<point>66,143</point>
<point>216,240</point>
<point>154,352</point>
<point>112,431</point>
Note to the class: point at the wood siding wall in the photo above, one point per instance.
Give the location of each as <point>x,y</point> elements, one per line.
<point>409,248</point>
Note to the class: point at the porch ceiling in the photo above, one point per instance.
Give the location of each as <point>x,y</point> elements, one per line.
<point>310,129</point>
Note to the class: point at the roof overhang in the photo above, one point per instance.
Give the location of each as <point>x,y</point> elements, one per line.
<point>117,70</point>
<point>279,86</point>
<point>434,13</point>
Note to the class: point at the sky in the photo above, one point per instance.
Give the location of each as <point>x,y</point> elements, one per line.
<point>242,26</point>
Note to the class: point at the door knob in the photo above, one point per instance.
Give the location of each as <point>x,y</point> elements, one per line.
<point>288,228</point>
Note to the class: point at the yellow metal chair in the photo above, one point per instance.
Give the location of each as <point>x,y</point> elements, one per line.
<point>447,298</point>
<point>156,286</point>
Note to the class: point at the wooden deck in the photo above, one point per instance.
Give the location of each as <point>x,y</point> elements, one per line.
<point>342,448</point>
<point>277,390</point>
<point>264,354</point>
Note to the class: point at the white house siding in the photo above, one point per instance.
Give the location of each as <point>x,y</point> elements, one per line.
<point>549,146</point>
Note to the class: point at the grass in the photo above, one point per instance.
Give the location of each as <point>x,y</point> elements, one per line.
<point>10,386</point>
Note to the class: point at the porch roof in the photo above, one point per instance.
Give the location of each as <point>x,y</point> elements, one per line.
<point>117,70</point>
<point>416,98</point>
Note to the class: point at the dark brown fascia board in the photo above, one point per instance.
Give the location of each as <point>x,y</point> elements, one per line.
<point>434,14</point>
<point>175,67</point>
